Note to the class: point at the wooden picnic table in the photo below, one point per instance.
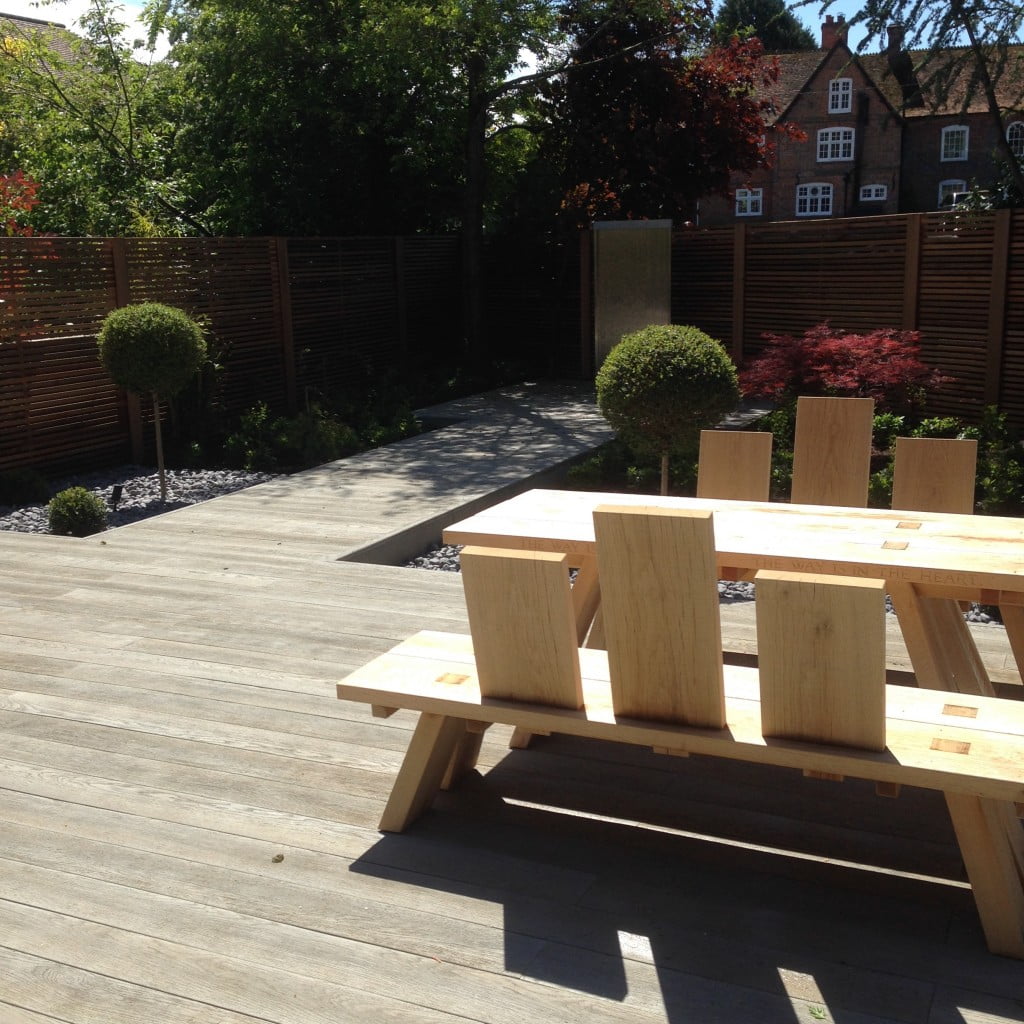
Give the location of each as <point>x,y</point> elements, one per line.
<point>929,561</point>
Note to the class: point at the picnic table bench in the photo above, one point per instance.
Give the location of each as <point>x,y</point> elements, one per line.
<point>818,700</point>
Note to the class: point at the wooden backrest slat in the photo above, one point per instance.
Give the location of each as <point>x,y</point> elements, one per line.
<point>735,464</point>
<point>523,627</point>
<point>832,451</point>
<point>821,658</point>
<point>659,595</point>
<point>934,474</point>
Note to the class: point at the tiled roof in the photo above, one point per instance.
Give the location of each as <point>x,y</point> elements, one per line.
<point>54,34</point>
<point>960,95</point>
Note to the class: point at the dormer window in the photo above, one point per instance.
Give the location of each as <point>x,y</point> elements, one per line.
<point>840,96</point>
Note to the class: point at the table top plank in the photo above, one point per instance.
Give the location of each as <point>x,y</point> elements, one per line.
<point>970,553</point>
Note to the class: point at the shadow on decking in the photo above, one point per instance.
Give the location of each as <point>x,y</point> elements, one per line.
<point>732,928</point>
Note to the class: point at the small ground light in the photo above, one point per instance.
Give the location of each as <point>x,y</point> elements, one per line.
<point>115,495</point>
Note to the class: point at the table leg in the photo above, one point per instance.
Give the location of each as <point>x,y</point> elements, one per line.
<point>1013,620</point>
<point>989,833</point>
<point>939,643</point>
<point>586,604</point>
<point>995,867</point>
<point>466,753</point>
<point>426,763</point>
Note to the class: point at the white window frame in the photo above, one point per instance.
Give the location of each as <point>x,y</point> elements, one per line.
<point>1015,138</point>
<point>749,202</point>
<point>949,186</point>
<point>949,150</point>
<point>840,96</point>
<point>874,193</point>
<point>811,203</point>
<point>835,144</point>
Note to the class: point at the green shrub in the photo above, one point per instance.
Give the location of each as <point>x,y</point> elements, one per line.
<point>886,428</point>
<point>23,487</point>
<point>77,512</point>
<point>939,426</point>
<point>253,446</point>
<point>660,385</point>
<point>313,437</point>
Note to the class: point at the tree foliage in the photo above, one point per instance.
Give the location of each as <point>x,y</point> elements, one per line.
<point>884,365</point>
<point>17,200</point>
<point>94,126</point>
<point>644,122</point>
<point>771,21</point>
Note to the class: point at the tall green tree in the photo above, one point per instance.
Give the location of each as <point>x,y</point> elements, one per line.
<point>771,21</point>
<point>94,125</point>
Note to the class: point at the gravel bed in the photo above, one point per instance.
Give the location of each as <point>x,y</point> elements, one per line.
<point>140,494</point>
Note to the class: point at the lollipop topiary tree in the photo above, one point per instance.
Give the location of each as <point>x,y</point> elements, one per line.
<point>152,349</point>
<point>661,385</point>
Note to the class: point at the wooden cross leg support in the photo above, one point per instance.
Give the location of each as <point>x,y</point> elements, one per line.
<point>434,743</point>
<point>992,845</point>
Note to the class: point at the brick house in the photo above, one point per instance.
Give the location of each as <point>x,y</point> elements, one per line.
<point>876,141</point>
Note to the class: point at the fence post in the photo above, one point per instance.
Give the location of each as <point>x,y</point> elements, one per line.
<point>284,298</point>
<point>997,307</point>
<point>739,290</point>
<point>912,270</point>
<point>122,297</point>
<point>401,299</point>
<point>587,368</point>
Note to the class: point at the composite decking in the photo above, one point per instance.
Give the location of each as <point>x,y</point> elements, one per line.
<point>188,815</point>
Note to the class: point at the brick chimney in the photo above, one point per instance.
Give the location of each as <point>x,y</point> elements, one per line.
<point>833,30</point>
<point>902,67</point>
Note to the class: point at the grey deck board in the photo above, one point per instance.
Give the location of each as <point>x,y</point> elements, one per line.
<point>168,728</point>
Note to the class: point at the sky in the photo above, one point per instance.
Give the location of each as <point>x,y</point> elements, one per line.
<point>62,11</point>
<point>66,11</point>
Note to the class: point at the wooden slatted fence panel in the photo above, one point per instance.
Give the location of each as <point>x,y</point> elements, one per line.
<point>430,289</point>
<point>853,273</point>
<point>702,281</point>
<point>344,311</point>
<point>956,281</point>
<point>58,408</point>
<point>532,304</point>
<point>799,274</point>
<point>232,284</point>
<point>1011,397</point>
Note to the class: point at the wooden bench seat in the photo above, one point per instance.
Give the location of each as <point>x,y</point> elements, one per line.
<point>817,702</point>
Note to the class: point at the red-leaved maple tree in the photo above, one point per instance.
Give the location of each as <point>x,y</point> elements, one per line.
<point>884,364</point>
<point>17,197</point>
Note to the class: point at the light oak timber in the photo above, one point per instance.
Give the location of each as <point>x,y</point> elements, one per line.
<point>821,658</point>
<point>735,464</point>
<point>660,611</point>
<point>994,768</point>
<point>933,474</point>
<point>832,451</point>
